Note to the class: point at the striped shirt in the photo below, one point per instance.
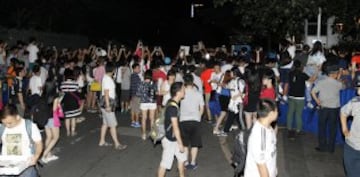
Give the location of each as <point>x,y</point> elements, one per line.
<point>69,86</point>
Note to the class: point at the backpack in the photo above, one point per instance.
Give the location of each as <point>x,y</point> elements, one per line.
<point>240,150</point>
<point>39,110</point>
<point>158,131</point>
<point>28,126</point>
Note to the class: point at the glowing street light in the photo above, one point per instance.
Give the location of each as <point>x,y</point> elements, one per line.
<point>193,6</point>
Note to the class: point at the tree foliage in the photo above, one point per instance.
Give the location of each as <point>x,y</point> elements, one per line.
<point>281,17</point>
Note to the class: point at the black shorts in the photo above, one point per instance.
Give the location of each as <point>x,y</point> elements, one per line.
<point>191,133</point>
<point>224,102</point>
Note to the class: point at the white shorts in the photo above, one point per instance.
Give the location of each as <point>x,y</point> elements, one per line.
<point>171,150</point>
<point>147,106</point>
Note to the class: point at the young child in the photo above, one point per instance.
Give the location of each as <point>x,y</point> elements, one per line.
<point>262,153</point>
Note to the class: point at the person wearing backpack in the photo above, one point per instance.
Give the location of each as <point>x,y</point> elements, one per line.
<point>237,87</point>
<point>172,142</point>
<point>191,110</point>
<point>20,138</point>
<point>261,145</point>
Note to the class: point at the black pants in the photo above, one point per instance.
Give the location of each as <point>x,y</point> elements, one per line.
<point>328,122</point>
<point>118,93</point>
<point>234,116</point>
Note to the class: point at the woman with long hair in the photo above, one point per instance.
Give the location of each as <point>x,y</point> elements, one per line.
<point>313,68</point>
<point>251,98</point>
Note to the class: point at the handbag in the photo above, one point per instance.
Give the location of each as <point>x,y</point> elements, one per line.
<point>95,86</point>
<point>113,103</point>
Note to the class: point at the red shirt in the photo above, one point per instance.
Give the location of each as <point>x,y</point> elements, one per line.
<point>268,93</point>
<point>356,59</point>
<point>205,77</point>
<point>158,74</point>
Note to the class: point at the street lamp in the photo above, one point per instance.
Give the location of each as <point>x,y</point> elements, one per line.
<point>193,6</point>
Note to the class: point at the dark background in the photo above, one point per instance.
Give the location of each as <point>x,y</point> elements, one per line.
<point>156,22</point>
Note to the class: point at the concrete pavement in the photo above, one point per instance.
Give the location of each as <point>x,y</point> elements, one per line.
<point>81,156</point>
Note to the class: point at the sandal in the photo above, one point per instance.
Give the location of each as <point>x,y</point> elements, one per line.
<point>106,144</point>
<point>120,147</point>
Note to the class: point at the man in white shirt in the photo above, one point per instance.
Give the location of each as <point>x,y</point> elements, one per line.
<point>35,83</point>
<point>108,109</point>
<point>261,155</point>
<point>17,141</point>
<point>33,52</point>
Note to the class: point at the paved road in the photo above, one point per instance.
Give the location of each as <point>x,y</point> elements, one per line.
<point>80,156</point>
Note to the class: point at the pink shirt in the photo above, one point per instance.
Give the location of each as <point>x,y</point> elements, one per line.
<point>99,73</point>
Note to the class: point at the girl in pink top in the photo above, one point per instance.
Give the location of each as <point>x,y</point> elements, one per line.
<point>99,73</point>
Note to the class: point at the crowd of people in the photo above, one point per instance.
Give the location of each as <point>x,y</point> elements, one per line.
<point>226,88</point>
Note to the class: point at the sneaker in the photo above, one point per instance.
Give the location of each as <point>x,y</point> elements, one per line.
<point>137,125</point>
<point>52,158</point>
<point>192,167</point>
<point>132,124</point>
<point>216,132</point>
<point>187,165</point>
<point>222,134</point>
<point>44,160</point>
<point>234,127</point>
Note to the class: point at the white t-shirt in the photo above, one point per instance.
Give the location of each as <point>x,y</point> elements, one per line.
<point>43,75</point>
<point>108,84</point>
<point>35,85</point>
<point>33,51</point>
<point>261,150</point>
<point>167,97</point>
<point>317,59</point>
<point>118,77</point>
<point>81,81</point>
<point>215,77</point>
<point>292,51</point>
<point>16,140</point>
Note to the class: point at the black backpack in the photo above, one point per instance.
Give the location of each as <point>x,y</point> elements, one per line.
<point>240,151</point>
<point>39,110</point>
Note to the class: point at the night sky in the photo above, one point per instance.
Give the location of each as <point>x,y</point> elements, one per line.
<point>157,22</point>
